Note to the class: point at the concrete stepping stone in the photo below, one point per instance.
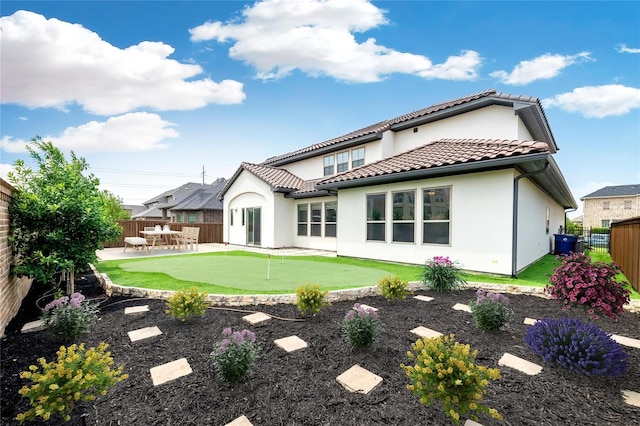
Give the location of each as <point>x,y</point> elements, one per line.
<point>519,364</point>
<point>462,307</point>
<point>426,332</point>
<point>240,421</point>
<point>626,341</point>
<point>470,422</point>
<point>631,397</point>
<point>170,371</point>
<point>367,307</point>
<point>131,310</point>
<point>291,343</point>
<point>358,379</point>
<point>32,326</point>
<point>144,333</point>
<point>423,298</point>
<point>257,318</point>
<point>530,321</point>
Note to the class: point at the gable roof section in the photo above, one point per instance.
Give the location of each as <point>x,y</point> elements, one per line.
<point>203,198</point>
<point>615,191</point>
<point>173,196</point>
<point>528,108</point>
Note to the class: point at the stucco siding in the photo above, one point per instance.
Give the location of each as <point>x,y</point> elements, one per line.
<point>248,191</point>
<point>314,242</point>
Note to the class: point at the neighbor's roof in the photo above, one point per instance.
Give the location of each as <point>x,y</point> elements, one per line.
<point>615,191</point>
<point>173,196</point>
<point>529,109</point>
<point>203,198</point>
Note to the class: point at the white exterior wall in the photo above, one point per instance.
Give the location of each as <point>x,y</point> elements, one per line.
<point>284,216</point>
<point>492,122</point>
<point>533,239</point>
<point>319,243</point>
<point>481,223</point>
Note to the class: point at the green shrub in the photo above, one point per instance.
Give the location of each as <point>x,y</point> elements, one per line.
<point>393,287</point>
<point>309,298</point>
<point>446,370</point>
<point>67,318</point>
<point>441,274</point>
<point>490,310</point>
<point>361,326</point>
<point>186,303</point>
<point>78,375</point>
<point>234,356</point>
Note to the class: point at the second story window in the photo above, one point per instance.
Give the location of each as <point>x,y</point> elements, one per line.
<point>627,204</point>
<point>357,157</point>
<point>329,162</point>
<point>343,161</point>
<point>606,205</point>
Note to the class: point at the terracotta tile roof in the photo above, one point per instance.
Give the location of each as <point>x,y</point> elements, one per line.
<point>279,179</point>
<point>444,152</point>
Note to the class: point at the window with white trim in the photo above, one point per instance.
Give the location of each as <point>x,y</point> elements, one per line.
<point>330,218</point>
<point>605,223</point>
<point>329,162</point>
<point>404,207</point>
<point>436,223</point>
<point>627,204</point>
<point>357,157</point>
<point>606,205</point>
<point>343,161</point>
<point>303,219</point>
<point>376,222</point>
<point>316,219</point>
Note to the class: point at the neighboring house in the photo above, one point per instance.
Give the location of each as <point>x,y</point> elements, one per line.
<point>134,209</point>
<point>188,203</point>
<point>610,204</point>
<point>473,179</point>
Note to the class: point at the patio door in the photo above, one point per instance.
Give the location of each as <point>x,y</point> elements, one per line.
<point>253,226</point>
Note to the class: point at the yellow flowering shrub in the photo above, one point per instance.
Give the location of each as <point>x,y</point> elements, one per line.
<point>446,370</point>
<point>393,287</point>
<point>186,303</point>
<point>77,375</point>
<point>309,298</point>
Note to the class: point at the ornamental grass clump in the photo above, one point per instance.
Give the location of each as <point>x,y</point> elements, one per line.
<point>235,355</point>
<point>67,317</point>
<point>361,326</point>
<point>592,285</point>
<point>446,370</point>
<point>185,304</point>
<point>78,375</point>
<point>579,346</point>
<point>309,298</point>
<point>441,274</point>
<point>393,287</point>
<point>490,310</point>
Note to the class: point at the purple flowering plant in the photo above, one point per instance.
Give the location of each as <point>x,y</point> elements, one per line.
<point>361,326</point>
<point>67,317</point>
<point>234,356</point>
<point>490,310</point>
<point>442,274</point>
<point>580,346</point>
<point>592,285</point>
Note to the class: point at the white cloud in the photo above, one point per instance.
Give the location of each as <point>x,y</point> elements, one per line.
<point>317,37</point>
<point>622,48</point>
<point>51,63</point>
<point>597,101</point>
<point>133,132</point>
<point>540,68</point>
<point>5,169</point>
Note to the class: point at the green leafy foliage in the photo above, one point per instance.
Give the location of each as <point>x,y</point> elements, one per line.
<point>58,217</point>
<point>235,355</point>
<point>446,370</point>
<point>441,274</point>
<point>309,298</point>
<point>68,316</point>
<point>490,310</point>
<point>77,375</point>
<point>184,304</point>
<point>361,326</point>
<point>393,287</point>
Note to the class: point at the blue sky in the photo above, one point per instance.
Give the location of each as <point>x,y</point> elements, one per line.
<point>152,92</point>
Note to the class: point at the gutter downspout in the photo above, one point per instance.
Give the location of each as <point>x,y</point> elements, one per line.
<point>514,242</point>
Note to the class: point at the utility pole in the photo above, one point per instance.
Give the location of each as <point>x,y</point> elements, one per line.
<point>203,173</point>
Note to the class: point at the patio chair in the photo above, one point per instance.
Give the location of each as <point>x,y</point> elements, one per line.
<point>190,236</point>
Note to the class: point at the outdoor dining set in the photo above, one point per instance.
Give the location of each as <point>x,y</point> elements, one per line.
<point>159,236</point>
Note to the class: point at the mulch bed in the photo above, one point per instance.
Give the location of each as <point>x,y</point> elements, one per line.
<point>300,388</point>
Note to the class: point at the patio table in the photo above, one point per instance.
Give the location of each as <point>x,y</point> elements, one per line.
<point>156,235</point>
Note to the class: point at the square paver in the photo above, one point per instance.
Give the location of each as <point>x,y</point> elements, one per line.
<point>291,343</point>
<point>631,397</point>
<point>626,341</point>
<point>470,422</point>
<point>367,307</point>
<point>358,379</point>
<point>144,333</point>
<point>426,332</point>
<point>257,318</point>
<point>520,364</point>
<point>423,298</point>
<point>32,326</point>
<point>136,309</point>
<point>462,307</point>
<point>530,321</point>
<point>170,371</point>
<point>240,421</point>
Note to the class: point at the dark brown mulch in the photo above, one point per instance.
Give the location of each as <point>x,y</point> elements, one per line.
<point>300,388</point>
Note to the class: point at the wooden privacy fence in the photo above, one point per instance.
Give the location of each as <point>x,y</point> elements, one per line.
<point>209,232</point>
<point>625,248</point>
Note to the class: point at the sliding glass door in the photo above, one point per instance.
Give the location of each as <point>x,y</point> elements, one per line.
<point>253,226</point>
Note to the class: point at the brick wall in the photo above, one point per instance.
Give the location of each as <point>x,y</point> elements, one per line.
<point>609,208</point>
<point>12,290</point>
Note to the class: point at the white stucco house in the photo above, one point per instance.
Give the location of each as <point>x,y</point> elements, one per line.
<point>473,179</point>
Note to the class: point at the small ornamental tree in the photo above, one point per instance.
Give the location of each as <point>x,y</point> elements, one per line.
<point>58,216</point>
